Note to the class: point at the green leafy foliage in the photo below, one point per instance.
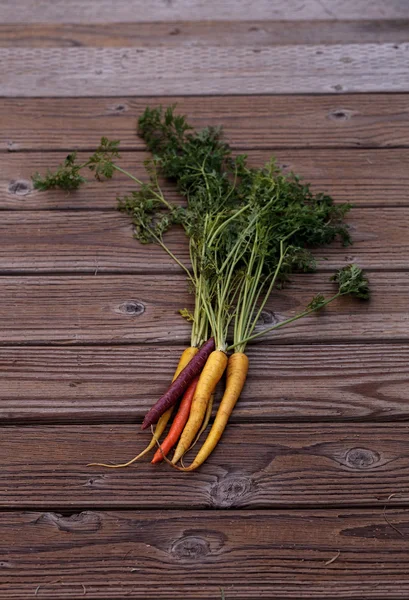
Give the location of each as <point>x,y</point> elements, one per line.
<point>251,227</point>
<point>248,228</point>
<point>352,281</point>
<point>102,161</point>
<point>317,302</point>
<point>66,177</point>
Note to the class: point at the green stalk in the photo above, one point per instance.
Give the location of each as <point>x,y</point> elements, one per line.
<point>286,322</point>
<point>139,182</point>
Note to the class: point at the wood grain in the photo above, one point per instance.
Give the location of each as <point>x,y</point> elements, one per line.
<point>89,242</point>
<point>44,72</point>
<point>364,177</point>
<point>100,11</point>
<point>376,121</point>
<point>144,309</point>
<point>275,554</point>
<point>286,383</point>
<point>256,466</point>
<point>202,33</point>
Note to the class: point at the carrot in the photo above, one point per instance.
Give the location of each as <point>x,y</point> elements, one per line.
<point>178,424</point>
<point>209,378</point>
<point>237,369</point>
<point>180,384</point>
<point>185,358</point>
<point>203,427</point>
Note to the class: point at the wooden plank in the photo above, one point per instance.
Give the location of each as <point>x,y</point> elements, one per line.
<point>141,309</point>
<point>376,121</point>
<point>280,554</point>
<point>363,177</point>
<point>255,466</point>
<point>313,465</point>
<point>285,383</point>
<point>100,11</point>
<point>202,33</point>
<point>44,72</point>
<point>89,242</point>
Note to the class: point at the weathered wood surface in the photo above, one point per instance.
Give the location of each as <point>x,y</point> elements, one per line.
<point>103,242</point>
<point>375,121</point>
<point>321,423</point>
<point>44,72</point>
<point>202,33</point>
<point>275,554</point>
<point>260,465</point>
<point>101,11</point>
<point>340,382</point>
<point>128,309</point>
<point>364,177</point>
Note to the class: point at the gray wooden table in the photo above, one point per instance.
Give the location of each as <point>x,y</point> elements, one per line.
<point>307,496</point>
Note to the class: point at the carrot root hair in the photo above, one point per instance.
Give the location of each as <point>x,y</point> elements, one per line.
<point>184,360</point>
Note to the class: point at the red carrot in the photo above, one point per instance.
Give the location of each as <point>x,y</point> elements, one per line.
<point>178,423</point>
<point>180,385</point>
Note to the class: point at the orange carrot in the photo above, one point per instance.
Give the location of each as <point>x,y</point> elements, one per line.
<point>178,423</point>
<point>184,360</point>
<point>209,378</point>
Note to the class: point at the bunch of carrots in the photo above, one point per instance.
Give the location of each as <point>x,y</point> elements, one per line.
<point>248,229</point>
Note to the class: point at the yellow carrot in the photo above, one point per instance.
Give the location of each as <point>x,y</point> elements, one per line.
<point>185,358</point>
<point>203,427</point>
<point>237,369</point>
<point>209,378</point>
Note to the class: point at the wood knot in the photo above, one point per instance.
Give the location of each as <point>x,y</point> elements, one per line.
<point>175,31</point>
<point>267,317</point>
<point>361,458</point>
<point>132,307</point>
<point>232,491</point>
<point>20,187</point>
<point>84,522</point>
<point>190,548</point>
<point>340,114</point>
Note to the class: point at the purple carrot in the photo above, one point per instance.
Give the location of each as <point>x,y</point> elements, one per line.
<point>180,385</point>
